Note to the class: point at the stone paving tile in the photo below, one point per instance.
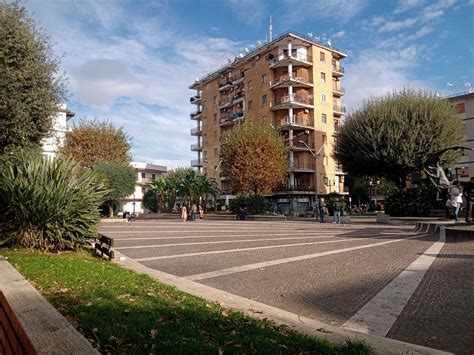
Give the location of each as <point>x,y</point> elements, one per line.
<point>330,289</point>
<point>440,314</point>
<point>205,263</point>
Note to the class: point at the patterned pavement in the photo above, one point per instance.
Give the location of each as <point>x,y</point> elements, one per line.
<point>323,271</point>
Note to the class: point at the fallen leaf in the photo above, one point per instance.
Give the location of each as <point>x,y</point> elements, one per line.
<point>255,310</point>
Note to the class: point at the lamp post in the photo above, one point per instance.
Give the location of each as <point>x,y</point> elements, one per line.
<point>133,203</point>
<point>315,156</point>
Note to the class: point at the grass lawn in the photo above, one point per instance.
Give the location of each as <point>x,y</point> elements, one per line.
<point>120,312</point>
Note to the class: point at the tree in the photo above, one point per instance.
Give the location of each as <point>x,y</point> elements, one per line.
<point>254,158</point>
<point>150,201</point>
<point>119,179</point>
<point>397,135</point>
<point>91,142</point>
<point>166,190</point>
<point>31,87</point>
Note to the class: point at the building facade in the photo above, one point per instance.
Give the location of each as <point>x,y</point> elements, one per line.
<point>50,145</point>
<point>292,82</point>
<point>146,174</point>
<point>464,106</point>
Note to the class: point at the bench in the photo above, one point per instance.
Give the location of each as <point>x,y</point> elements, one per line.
<point>13,338</point>
<point>104,247</point>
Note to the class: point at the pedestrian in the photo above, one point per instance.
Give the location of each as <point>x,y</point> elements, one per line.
<point>201,212</point>
<point>184,213</point>
<point>337,208</point>
<point>194,210</point>
<point>321,208</point>
<point>469,195</point>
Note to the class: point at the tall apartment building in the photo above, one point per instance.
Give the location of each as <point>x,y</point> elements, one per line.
<point>292,82</point>
<point>463,170</point>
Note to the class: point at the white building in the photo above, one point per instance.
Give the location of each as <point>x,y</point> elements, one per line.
<point>463,170</point>
<point>145,173</point>
<point>51,144</point>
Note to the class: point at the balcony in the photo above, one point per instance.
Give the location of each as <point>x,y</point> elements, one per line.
<point>196,115</point>
<point>339,110</point>
<point>285,81</point>
<point>225,84</point>
<point>337,70</point>
<point>299,146</point>
<point>288,190</point>
<point>294,101</point>
<point>299,59</point>
<point>238,79</point>
<point>239,97</point>
<point>225,102</point>
<point>338,90</point>
<point>196,163</point>
<point>197,131</point>
<point>197,99</point>
<point>196,147</point>
<point>296,122</point>
<point>301,167</point>
<point>229,120</point>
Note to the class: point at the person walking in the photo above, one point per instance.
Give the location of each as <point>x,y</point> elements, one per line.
<point>193,212</point>
<point>337,208</point>
<point>184,213</point>
<point>321,208</point>
<point>469,195</point>
<point>201,212</point>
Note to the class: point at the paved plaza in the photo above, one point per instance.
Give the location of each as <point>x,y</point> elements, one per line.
<point>379,279</point>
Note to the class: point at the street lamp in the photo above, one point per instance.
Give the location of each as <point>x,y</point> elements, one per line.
<point>315,156</point>
<point>133,204</point>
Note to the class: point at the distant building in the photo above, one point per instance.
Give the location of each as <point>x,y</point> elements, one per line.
<point>464,105</point>
<point>51,144</point>
<point>146,174</point>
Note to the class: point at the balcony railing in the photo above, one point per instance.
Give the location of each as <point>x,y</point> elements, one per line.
<point>231,118</point>
<point>195,99</point>
<point>339,109</point>
<point>294,99</point>
<point>338,89</point>
<point>286,80</point>
<point>296,56</point>
<point>196,163</point>
<point>284,188</point>
<point>196,147</point>
<point>301,166</point>
<point>225,102</point>
<point>196,131</point>
<point>337,69</point>
<point>196,115</point>
<point>307,145</point>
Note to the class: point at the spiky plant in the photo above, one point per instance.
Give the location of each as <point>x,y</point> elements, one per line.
<point>51,205</point>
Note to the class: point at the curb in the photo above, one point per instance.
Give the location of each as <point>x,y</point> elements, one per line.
<point>48,331</point>
<point>259,310</point>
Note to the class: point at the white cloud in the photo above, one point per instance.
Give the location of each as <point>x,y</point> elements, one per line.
<point>405,5</point>
<point>342,10</point>
<point>249,11</point>
<point>397,25</point>
<point>339,34</point>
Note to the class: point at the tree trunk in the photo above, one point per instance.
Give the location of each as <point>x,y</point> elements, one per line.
<point>111,209</point>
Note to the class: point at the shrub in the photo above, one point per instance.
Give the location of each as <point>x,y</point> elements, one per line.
<point>150,201</point>
<point>255,204</point>
<point>51,205</point>
<point>414,202</point>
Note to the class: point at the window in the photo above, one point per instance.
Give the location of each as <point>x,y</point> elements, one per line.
<point>264,78</point>
<point>153,177</point>
<point>143,190</point>
<point>322,57</point>
<point>325,160</point>
<point>215,134</point>
<point>214,100</point>
<point>204,138</point>
<point>250,104</point>
<point>323,78</point>
<point>205,171</point>
<point>264,99</point>
<point>325,138</point>
<point>324,118</point>
<point>143,175</point>
<point>204,154</point>
<point>215,118</point>
<point>336,125</point>
<point>216,152</point>
<point>460,108</point>
<point>323,98</point>
<point>249,84</point>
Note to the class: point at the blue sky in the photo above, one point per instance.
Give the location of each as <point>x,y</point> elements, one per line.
<point>131,62</point>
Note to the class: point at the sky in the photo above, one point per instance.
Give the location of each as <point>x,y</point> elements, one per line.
<point>131,62</point>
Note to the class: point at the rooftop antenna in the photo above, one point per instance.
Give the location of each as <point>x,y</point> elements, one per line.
<point>310,34</point>
<point>329,43</point>
<point>270,31</point>
<point>246,49</point>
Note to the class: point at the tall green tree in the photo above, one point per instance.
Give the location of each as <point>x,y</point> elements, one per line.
<point>31,87</point>
<point>166,190</point>
<point>150,201</point>
<point>397,134</point>
<point>91,142</point>
<point>119,179</point>
<point>254,158</point>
